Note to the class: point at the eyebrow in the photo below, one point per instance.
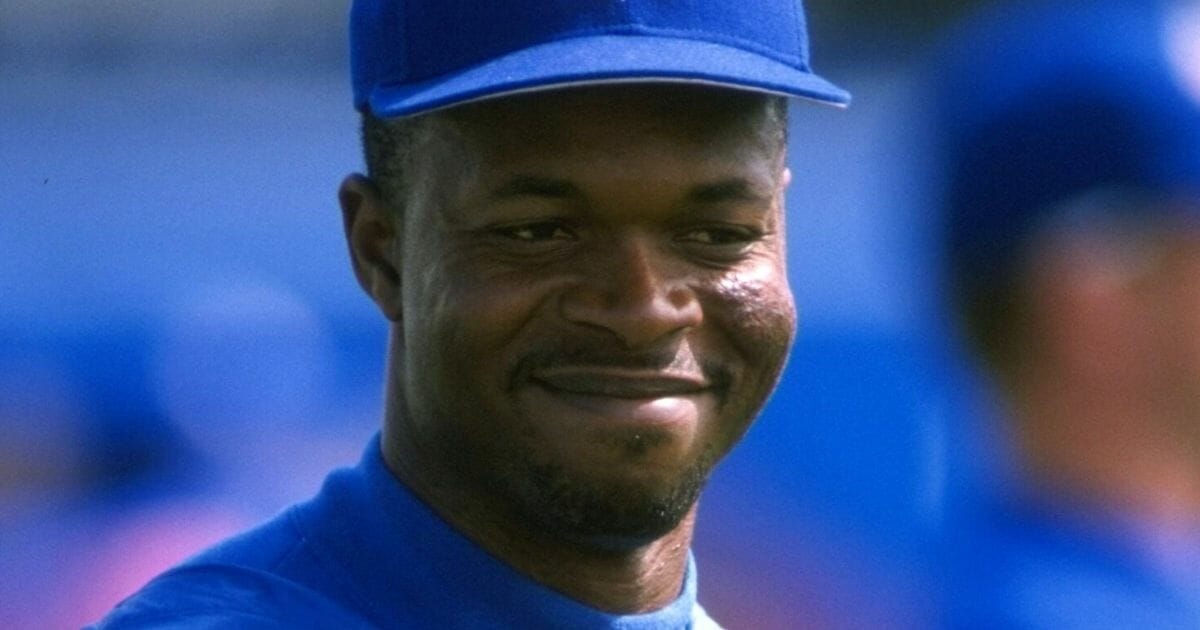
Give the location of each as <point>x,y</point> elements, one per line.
<point>534,186</point>
<point>733,189</point>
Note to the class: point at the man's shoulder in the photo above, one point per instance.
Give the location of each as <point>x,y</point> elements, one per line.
<point>268,576</point>
<point>208,595</point>
<point>268,546</point>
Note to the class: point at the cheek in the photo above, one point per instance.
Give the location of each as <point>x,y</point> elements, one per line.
<point>755,318</point>
<point>756,309</point>
<point>467,322</point>
<point>761,303</point>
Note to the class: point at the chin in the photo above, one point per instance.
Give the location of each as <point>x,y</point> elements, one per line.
<point>609,513</point>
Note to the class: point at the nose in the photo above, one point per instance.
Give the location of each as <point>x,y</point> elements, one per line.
<point>635,293</point>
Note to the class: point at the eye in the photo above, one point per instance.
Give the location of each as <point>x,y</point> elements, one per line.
<point>720,235</point>
<point>539,231</point>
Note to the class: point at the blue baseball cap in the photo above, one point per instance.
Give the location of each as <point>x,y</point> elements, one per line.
<point>1043,103</point>
<point>413,56</point>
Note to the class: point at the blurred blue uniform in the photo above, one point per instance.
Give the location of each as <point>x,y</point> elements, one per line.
<point>366,553</point>
<point>1030,563</point>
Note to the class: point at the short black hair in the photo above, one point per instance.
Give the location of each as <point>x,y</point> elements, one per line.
<point>388,150</point>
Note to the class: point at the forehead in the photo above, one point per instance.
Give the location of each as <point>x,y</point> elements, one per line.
<point>620,119</point>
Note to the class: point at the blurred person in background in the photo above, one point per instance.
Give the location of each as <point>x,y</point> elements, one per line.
<point>240,370</point>
<point>244,369</point>
<point>580,253</point>
<point>239,374</point>
<point>1070,132</point>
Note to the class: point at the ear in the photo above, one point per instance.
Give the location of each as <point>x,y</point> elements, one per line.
<point>785,179</point>
<point>781,185</point>
<point>374,241</point>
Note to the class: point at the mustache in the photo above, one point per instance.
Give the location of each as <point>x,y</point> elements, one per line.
<point>577,352</point>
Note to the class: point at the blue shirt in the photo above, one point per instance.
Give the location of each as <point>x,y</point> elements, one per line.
<point>367,553</point>
<point>1039,563</point>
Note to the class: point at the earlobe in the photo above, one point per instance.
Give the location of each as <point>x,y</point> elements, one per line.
<point>373,240</point>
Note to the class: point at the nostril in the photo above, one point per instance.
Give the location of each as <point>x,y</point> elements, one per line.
<point>638,318</point>
<point>633,290</point>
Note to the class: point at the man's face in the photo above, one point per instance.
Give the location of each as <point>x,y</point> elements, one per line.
<point>595,303</point>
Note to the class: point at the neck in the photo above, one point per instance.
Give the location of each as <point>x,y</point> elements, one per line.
<point>629,578</point>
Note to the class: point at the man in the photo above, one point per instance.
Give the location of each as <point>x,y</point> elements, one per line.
<point>573,220</point>
<point>1073,199</point>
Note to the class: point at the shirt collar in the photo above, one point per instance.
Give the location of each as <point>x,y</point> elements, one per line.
<point>409,564</point>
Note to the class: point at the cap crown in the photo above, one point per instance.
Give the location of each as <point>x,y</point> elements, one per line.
<point>1041,103</point>
<point>409,42</point>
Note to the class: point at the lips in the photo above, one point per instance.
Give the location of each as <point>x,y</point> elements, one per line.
<point>620,383</point>
<point>665,400</point>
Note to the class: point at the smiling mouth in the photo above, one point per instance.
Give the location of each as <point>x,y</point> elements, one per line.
<point>620,383</point>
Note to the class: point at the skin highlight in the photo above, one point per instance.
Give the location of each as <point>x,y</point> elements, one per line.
<point>589,306</point>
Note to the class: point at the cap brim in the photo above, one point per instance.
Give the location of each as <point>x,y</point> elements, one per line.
<point>606,59</point>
